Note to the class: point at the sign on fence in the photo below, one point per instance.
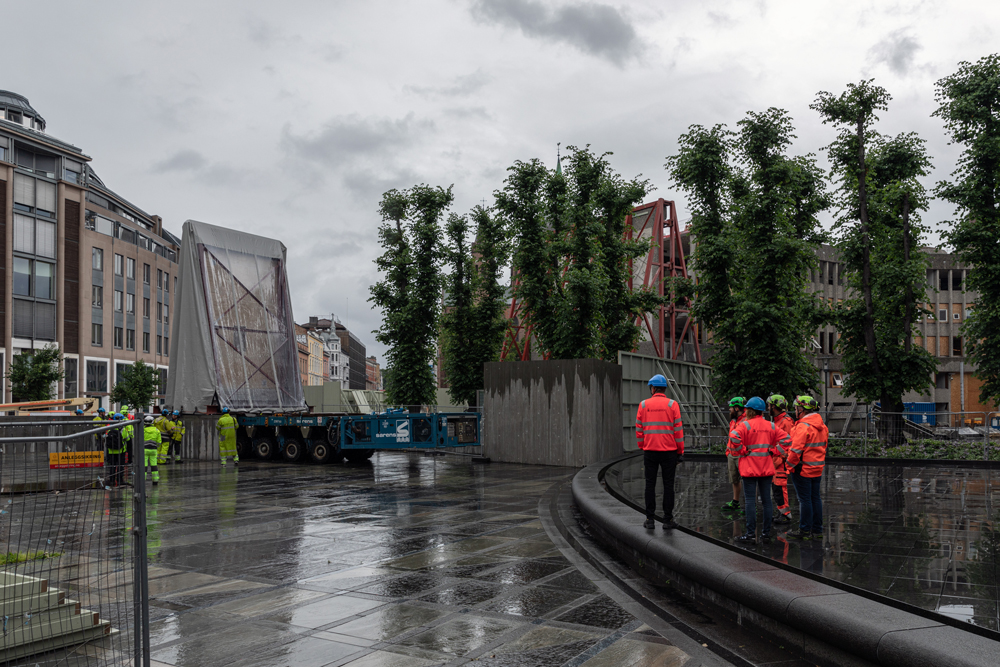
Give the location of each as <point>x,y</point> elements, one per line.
<point>76,460</point>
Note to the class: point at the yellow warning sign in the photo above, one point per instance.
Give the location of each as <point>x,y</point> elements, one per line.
<point>76,459</point>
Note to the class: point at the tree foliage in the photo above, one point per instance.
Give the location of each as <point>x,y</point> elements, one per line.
<point>33,372</point>
<point>571,258</point>
<point>409,293</point>
<point>473,325</point>
<point>878,232</point>
<point>136,386</point>
<point>754,223</point>
<point>969,103</point>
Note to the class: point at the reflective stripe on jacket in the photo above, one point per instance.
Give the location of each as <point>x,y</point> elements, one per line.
<point>733,423</point>
<point>785,423</point>
<point>809,440</point>
<point>658,425</point>
<point>179,430</point>
<point>163,425</point>
<point>756,441</point>
<point>152,437</point>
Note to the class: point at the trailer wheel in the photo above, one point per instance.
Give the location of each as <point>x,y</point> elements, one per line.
<point>294,450</point>
<point>264,447</point>
<point>359,455</point>
<point>322,452</point>
<point>244,445</point>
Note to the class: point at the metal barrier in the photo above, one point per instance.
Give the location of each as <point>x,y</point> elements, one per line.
<point>72,520</point>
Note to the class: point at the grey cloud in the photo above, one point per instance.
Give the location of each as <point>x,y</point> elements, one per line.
<point>598,29</point>
<point>368,185</point>
<point>896,50</point>
<point>350,136</point>
<point>473,113</point>
<point>461,86</point>
<point>186,160</point>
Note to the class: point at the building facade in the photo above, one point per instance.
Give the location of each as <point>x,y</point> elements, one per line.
<point>80,266</point>
<point>352,370</point>
<point>373,374</point>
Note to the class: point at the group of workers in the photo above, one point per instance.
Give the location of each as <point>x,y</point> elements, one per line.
<point>162,440</point>
<point>761,455</point>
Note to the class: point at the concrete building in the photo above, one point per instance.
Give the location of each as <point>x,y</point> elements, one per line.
<point>352,350</point>
<point>373,374</point>
<point>80,266</point>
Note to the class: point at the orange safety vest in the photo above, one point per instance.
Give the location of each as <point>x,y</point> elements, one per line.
<point>658,425</point>
<point>785,423</point>
<point>733,423</point>
<point>756,441</point>
<point>810,437</point>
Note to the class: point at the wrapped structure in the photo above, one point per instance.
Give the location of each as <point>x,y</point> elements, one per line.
<point>234,335</point>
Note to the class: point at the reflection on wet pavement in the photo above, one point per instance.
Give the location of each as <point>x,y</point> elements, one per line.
<point>922,534</point>
<point>411,560</point>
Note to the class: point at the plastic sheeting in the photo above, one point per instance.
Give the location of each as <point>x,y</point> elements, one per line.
<point>234,335</point>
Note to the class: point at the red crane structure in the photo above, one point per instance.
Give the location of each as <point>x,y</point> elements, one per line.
<point>669,332</point>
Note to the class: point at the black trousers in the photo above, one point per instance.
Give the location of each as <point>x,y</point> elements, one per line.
<point>655,461</point>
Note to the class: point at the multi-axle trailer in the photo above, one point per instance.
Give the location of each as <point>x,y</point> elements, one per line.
<point>332,438</point>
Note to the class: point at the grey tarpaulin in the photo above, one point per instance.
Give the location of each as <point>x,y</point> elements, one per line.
<point>234,336</point>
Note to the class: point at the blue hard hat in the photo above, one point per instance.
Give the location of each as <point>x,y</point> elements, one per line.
<point>177,413</point>
<point>118,415</point>
<point>756,403</point>
<point>101,410</point>
<point>79,411</point>
<point>225,410</point>
<point>657,381</point>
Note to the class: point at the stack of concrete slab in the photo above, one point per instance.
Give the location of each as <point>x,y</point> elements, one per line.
<point>37,618</point>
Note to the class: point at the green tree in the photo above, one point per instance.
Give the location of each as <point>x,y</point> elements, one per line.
<point>33,372</point>
<point>136,386</point>
<point>473,325</point>
<point>570,255</point>
<point>756,230</point>
<point>878,227</point>
<point>410,292</point>
<point>970,106</point>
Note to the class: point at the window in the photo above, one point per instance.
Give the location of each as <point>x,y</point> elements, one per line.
<point>97,334</point>
<point>166,346</point>
<point>24,234</point>
<point>130,268</point>
<point>831,268</point>
<point>159,279</point>
<point>166,314</point>
<point>159,311</point>
<point>119,337</point>
<point>130,339</point>
<point>97,296</point>
<point>941,380</point>
<point>822,342</point>
<point>24,193</point>
<point>942,314</point>
<point>175,284</point>
<point>119,300</point>
<point>22,276</point>
<point>45,275</point>
<point>70,370</point>
<point>145,273</point>
<point>943,281</point>
<point>130,304</point>
<point>956,280</point>
<point>145,309</point>
<point>120,372</point>
<point>145,341</point>
<point>836,380</point>
<point>97,376</point>
<point>956,346</point>
<point>119,264</point>
<point>166,282</point>
<point>159,344</point>
<point>97,257</point>
<point>162,389</point>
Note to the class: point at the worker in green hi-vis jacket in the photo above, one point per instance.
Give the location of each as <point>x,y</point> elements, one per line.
<point>226,426</point>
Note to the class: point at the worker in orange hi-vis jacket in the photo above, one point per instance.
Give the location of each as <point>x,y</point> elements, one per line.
<point>806,461</point>
<point>660,436</point>
<point>755,442</point>
<point>737,414</point>
<point>778,407</point>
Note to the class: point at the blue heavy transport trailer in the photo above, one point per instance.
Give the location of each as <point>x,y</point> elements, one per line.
<point>330,438</point>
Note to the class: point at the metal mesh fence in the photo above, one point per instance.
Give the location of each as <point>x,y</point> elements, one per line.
<point>66,528</point>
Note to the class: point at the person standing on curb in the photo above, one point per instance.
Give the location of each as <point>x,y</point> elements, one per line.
<point>806,460</point>
<point>756,441</point>
<point>660,435</point>
<point>736,416</point>
<point>778,407</point>
<point>226,427</point>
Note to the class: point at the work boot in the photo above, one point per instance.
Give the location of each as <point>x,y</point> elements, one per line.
<point>177,459</point>
<point>800,535</point>
<point>747,538</point>
<point>765,538</point>
<point>236,460</point>
<point>782,519</point>
<point>731,505</point>
<point>223,463</point>
<point>649,524</point>
<point>670,525</point>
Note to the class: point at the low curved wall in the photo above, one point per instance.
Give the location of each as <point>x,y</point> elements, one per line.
<point>828,624</point>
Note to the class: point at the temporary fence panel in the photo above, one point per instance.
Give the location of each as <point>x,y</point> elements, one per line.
<point>67,520</point>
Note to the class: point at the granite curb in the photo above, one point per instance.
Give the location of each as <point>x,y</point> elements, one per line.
<point>792,606</point>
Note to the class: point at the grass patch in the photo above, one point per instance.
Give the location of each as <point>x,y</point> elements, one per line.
<point>13,557</point>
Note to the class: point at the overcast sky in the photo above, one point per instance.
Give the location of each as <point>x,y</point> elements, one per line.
<point>290,119</point>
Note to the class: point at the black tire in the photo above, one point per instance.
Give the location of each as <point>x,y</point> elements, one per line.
<point>244,446</point>
<point>358,455</point>
<point>322,452</point>
<point>294,450</point>
<point>264,447</point>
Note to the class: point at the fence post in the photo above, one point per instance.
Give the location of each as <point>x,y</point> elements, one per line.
<point>140,577</point>
<point>986,436</point>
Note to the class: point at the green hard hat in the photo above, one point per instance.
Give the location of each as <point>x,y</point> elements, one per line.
<point>807,402</point>
<point>737,402</point>
<point>778,401</point>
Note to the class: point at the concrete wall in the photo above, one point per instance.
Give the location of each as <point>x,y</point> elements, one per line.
<point>201,443</point>
<point>565,413</point>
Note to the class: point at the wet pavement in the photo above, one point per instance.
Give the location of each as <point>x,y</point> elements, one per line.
<point>923,534</point>
<point>408,560</point>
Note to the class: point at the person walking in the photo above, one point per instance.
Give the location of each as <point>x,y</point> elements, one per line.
<point>736,416</point>
<point>756,441</point>
<point>777,406</point>
<point>151,434</point>
<point>660,435</point>
<point>806,461</point>
<point>226,427</point>
<point>177,437</point>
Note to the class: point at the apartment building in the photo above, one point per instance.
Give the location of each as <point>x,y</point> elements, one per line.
<point>353,369</point>
<point>81,267</point>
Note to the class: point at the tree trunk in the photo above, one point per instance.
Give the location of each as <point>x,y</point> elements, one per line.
<point>891,420</point>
